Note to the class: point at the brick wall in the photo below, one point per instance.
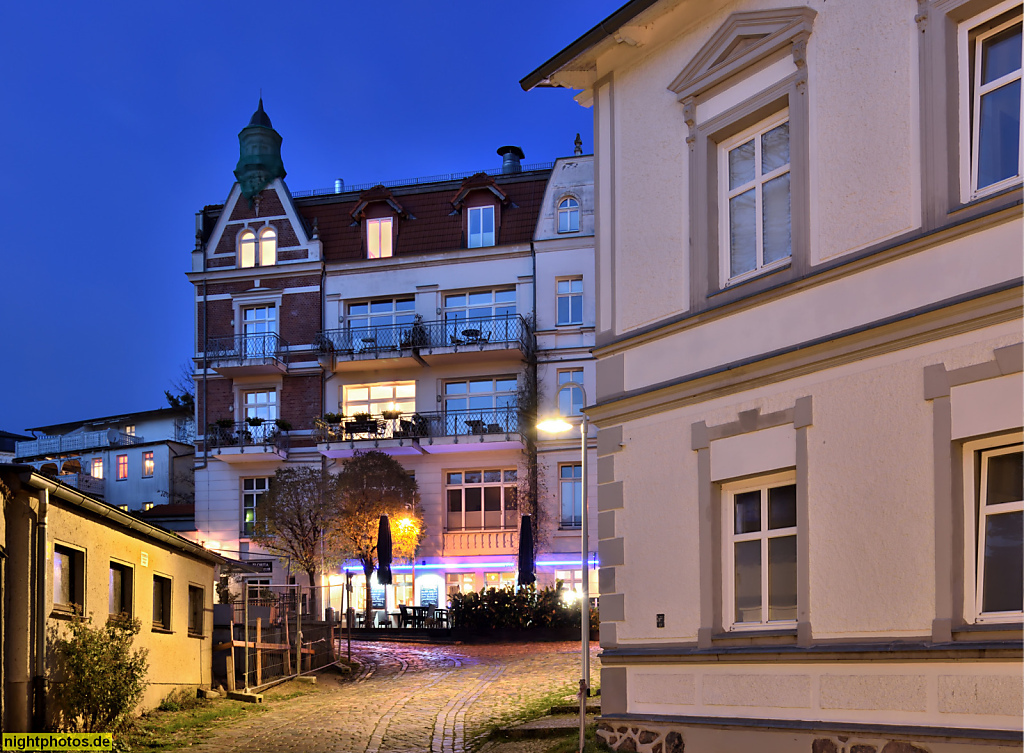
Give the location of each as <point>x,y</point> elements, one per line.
<point>300,318</point>
<point>221,396</point>
<point>270,206</point>
<point>221,315</point>
<point>301,401</point>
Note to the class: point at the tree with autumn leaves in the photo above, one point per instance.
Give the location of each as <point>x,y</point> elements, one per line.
<point>305,506</point>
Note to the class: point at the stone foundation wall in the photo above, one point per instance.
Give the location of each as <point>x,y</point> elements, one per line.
<point>661,738</point>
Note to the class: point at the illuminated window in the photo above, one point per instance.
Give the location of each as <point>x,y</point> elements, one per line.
<point>247,249</point>
<point>500,580</point>
<point>403,588</point>
<point>570,399</point>
<point>148,464</point>
<point>97,468</point>
<point>486,499</point>
<point>122,467</point>
<point>148,506</point>
<point>569,301</point>
<point>378,238</point>
<point>268,246</point>
<point>130,430</point>
<point>568,215</point>
<point>481,227</point>
<point>374,399</point>
<point>463,583</point>
<point>253,490</point>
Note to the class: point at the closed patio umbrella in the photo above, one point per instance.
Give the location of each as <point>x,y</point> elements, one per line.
<point>526,576</point>
<point>384,551</point>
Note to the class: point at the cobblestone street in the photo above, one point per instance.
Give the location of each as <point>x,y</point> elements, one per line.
<point>406,697</point>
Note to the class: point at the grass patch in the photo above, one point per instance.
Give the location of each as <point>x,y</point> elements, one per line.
<point>182,718</point>
<point>591,742</point>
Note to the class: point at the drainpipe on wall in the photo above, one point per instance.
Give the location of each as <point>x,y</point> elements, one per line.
<point>39,722</point>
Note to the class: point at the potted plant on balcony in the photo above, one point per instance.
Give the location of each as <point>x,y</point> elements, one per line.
<point>391,415</point>
<point>282,425</point>
<point>333,418</point>
<point>225,423</point>
<point>416,337</point>
<point>254,421</point>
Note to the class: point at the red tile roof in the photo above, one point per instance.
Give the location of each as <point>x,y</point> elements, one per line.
<point>435,227</point>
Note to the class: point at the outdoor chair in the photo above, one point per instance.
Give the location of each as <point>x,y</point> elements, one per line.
<point>406,618</point>
<point>382,619</point>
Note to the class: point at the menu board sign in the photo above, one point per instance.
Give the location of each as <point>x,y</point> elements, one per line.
<point>428,597</point>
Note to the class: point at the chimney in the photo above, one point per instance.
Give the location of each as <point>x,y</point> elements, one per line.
<point>512,159</point>
<point>339,185</point>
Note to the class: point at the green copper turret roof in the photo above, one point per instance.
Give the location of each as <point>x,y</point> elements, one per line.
<point>259,154</point>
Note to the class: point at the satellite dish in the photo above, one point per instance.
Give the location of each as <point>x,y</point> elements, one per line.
<point>113,436</point>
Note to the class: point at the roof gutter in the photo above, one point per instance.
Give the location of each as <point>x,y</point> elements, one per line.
<point>541,75</point>
<point>121,518</point>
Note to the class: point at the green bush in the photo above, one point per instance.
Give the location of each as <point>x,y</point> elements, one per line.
<point>507,608</point>
<point>182,699</point>
<point>104,678</point>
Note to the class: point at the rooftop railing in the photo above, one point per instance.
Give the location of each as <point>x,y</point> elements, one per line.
<point>443,177</point>
<point>59,444</point>
<point>242,348</point>
<point>421,425</point>
<point>509,330</point>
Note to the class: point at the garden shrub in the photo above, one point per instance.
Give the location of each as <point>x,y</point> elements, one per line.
<point>507,608</point>
<point>103,677</point>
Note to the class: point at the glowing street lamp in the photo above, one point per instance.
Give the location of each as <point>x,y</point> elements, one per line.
<point>557,425</point>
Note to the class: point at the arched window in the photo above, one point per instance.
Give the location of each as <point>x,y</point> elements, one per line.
<point>268,246</point>
<point>247,249</point>
<point>568,215</point>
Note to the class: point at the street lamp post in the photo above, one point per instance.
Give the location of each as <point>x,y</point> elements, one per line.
<point>557,425</point>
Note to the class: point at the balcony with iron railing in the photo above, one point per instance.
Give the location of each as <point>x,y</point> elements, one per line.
<point>425,342</point>
<point>264,353</point>
<point>81,441</point>
<point>422,432</point>
<point>245,442</point>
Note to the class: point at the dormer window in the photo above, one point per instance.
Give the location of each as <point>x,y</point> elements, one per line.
<point>378,238</point>
<point>481,227</point>
<point>568,215</point>
<point>267,242</point>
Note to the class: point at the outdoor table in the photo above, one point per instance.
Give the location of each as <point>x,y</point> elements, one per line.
<point>441,617</point>
<point>419,615</point>
<point>396,618</point>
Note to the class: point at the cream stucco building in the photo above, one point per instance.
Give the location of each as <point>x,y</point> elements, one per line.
<point>809,372</point>
<point>62,551</point>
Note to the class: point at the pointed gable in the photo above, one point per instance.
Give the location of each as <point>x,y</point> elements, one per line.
<point>744,39</point>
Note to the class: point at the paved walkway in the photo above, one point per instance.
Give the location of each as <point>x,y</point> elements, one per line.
<point>427,699</point>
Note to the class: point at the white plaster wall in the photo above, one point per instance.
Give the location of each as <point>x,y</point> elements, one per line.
<point>864,143</point>
<point>870,494</point>
<point>571,176</point>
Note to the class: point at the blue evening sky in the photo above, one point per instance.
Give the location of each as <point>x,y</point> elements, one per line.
<point>120,121</point>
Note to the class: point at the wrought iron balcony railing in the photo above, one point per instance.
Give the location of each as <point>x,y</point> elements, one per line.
<point>242,348</point>
<point>508,330</point>
<point>421,425</point>
<point>225,434</point>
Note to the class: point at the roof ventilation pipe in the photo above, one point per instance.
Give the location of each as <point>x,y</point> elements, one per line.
<point>339,185</point>
<point>513,156</point>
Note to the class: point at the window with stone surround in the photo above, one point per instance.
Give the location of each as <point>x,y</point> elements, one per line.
<point>482,499</point>
<point>990,82</point>
<point>760,552</point>
<point>994,497</point>
<point>481,227</point>
<point>379,238</point>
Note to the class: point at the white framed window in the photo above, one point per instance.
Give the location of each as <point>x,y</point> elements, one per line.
<point>259,404</point>
<point>990,100</point>
<point>148,465</point>
<point>374,399</point>
<point>259,330</point>
<point>755,224</point>
<point>253,490</point>
<point>569,301</point>
<point>500,580</point>
<point>994,534</point>
<point>568,215</point>
<point>404,592</point>
<point>482,499</point>
<point>378,238</point>
<point>487,402</point>
<point>486,315</point>
<point>570,491</point>
<point>268,246</point>
<point>759,552</point>
<point>247,249</point>
<point>460,583</point>
<point>481,227</point>
<point>570,399</point>
<point>122,467</point>
<point>572,581</point>
<point>129,430</point>
<point>371,324</point>
<point>96,468</point>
